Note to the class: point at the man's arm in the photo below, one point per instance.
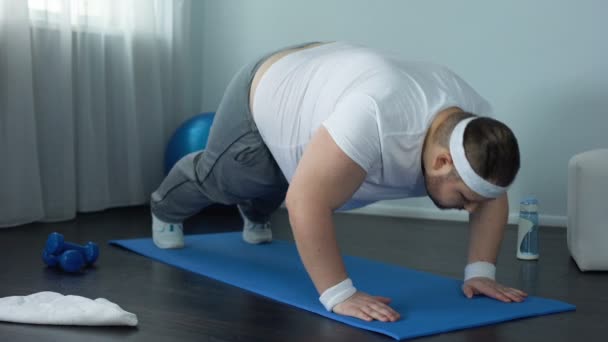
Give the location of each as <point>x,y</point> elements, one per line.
<point>487,226</point>
<point>324,180</point>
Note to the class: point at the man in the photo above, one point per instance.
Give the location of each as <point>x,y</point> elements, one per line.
<point>334,126</point>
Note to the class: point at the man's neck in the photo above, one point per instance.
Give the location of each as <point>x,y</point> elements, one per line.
<point>430,134</point>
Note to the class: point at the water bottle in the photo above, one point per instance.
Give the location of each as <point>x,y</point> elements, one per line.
<point>527,232</point>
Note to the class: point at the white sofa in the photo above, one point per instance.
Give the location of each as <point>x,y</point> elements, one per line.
<point>588,209</point>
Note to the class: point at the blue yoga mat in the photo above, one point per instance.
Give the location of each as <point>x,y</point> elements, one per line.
<point>428,304</point>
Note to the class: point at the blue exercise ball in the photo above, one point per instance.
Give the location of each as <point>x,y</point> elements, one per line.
<point>189,137</point>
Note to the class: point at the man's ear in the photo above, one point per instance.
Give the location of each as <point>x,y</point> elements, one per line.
<point>442,160</point>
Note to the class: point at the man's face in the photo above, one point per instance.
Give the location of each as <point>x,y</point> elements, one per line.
<point>449,192</point>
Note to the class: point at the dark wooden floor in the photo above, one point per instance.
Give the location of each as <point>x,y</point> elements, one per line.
<point>174,305</point>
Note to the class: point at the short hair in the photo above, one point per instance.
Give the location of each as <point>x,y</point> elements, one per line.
<point>490,146</point>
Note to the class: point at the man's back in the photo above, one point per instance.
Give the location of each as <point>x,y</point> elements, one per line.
<point>376,108</point>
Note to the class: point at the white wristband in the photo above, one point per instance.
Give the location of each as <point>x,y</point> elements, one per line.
<point>337,294</point>
<point>480,269</point>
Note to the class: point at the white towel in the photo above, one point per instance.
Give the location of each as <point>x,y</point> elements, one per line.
<point>55,308</point>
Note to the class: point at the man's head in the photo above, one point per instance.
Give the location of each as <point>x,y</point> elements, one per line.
<point>468,160</point>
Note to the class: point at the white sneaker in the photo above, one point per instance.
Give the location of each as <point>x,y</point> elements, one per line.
<point>255,233</point>
<point>167,235</point>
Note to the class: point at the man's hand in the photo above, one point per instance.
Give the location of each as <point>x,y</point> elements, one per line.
<point>368,308</point>
<point>490,288</point>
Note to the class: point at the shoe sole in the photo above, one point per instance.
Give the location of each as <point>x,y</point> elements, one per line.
<point>256,240</point>
<point>168,245</point>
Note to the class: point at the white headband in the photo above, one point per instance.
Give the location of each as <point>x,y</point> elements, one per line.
<point>468,175</point>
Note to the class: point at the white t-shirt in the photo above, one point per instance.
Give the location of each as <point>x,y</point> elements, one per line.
<point>376,108</point>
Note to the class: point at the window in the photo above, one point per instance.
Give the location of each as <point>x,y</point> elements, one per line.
<point>80,13</point>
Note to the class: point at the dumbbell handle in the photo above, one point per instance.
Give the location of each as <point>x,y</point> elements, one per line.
<point>70,245</point>
<point>89,251</point>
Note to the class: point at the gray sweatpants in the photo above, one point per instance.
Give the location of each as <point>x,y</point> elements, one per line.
<point>236,167</point>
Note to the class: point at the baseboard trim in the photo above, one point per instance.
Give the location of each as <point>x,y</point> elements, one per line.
<point>381,209</point>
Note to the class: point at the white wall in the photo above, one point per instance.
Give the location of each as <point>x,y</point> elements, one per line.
<point>542,64</point>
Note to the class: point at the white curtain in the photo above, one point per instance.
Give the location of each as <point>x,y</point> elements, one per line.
<point>90,91</point>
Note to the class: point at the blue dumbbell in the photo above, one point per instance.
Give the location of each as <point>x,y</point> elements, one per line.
<point>69,261</point>
<point>56,245</point>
